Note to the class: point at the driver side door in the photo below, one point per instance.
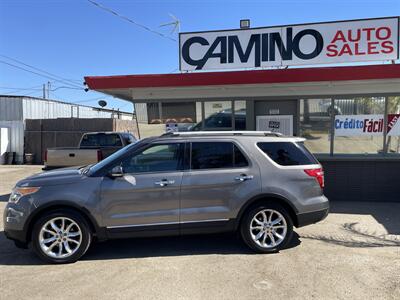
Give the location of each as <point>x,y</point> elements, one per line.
<point>146,198</point>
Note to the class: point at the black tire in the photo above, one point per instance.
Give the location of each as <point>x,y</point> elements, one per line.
<point>85,241</point>
<point>246,232</point>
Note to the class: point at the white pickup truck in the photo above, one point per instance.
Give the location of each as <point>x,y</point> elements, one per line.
<point>93,147</point>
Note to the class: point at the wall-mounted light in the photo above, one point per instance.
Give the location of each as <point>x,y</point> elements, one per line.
<point>245,23</point>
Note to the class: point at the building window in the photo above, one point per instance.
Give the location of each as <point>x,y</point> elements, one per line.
<point>315,124</point>
<point>393,138</point>
<point>153,113</point>
<point>240,115</point>
<point>178,112</point>
<point>199,112</point>
<point>359,125</point>
<point>218,115</point>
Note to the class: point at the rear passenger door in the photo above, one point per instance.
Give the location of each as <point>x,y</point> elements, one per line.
<point>219,178</point>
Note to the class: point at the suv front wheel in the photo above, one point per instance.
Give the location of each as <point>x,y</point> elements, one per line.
<point>267,228</point>
<point>61,236</point>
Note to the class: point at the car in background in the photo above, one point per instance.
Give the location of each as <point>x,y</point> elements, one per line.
<point>222,120</point>
<point>93,147</point>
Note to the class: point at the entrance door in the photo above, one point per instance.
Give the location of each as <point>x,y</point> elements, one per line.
<point>277,116</point>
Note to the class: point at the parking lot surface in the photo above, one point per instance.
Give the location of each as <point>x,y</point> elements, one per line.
<point>353,254</point>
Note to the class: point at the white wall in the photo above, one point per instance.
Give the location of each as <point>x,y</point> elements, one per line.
<point>4,143</point>
<point>16,138</point>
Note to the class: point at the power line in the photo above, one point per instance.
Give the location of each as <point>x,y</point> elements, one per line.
<point>66,87</point>
<point>55,78</point>
<point>131,21</point>
<point>30,71</point>
<point>1,61</point>
<point>36,87</point>
<point>16,88</point>
<point>28,94</point>
<point>39,89</point>
<point>60,79</point>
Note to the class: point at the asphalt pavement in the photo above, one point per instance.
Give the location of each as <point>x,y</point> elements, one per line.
<point>353,254</point>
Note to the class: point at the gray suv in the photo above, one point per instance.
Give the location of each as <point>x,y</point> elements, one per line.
<point>260,184</point>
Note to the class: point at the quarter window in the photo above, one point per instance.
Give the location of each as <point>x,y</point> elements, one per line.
<point>214,155</point>
<point>156,158</point>
<point>287,153</point>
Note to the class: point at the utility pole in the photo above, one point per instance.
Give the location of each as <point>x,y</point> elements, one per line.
<point>44,91</point>
<point>48,89</point>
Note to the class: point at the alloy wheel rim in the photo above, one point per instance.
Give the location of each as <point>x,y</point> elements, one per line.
<point>60,237</point>
<point>268,228</point>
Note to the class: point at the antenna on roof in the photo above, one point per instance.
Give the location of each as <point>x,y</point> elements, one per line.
<point>176,23</point>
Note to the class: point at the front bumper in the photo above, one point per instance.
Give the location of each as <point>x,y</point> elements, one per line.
<point>18,236</point>
<point>15,217</point>
<point>312,217</point>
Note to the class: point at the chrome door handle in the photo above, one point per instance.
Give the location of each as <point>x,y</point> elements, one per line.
<point>244,177</point>
<point>164,182</point>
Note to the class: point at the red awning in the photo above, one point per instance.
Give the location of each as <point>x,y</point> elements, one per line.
<point>244,77</point>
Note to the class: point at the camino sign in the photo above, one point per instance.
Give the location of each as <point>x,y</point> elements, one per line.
<point>292,45</point>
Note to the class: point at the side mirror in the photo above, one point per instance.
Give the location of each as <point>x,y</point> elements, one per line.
<point>117,171</point>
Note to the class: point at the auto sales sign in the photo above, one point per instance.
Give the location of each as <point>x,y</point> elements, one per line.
<point>319,43</point>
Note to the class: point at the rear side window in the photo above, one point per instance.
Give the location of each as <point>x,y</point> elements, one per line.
<point>215,155</point>
<point>287,153</point>
<point>101,140</point>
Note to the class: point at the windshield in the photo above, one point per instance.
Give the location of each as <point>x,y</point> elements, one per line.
<point>113,156</point>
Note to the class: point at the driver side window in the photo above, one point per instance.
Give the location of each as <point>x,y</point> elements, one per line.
<point>156,158</point>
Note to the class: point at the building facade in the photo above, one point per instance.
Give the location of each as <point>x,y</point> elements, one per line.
<point>349,115</point>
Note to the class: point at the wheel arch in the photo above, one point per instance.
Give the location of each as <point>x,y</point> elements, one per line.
<point>268,198</point>
<point>97,231</point>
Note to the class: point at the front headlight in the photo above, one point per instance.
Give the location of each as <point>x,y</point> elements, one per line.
<point>19,192</point>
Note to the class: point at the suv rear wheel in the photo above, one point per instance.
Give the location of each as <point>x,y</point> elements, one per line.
<point>267,228</point>
<point>61,236</point>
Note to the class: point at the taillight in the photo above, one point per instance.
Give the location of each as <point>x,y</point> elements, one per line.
<point>99,155</point>
<point>318,174</point>
<point>45,155</point>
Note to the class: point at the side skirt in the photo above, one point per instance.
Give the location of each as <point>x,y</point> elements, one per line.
<point>171,229</point>
<point>207,227</point>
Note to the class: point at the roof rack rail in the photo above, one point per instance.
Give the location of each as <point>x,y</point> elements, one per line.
<point>219,133</point>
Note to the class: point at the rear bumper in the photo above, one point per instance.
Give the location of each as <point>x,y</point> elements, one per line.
<point>312,217</point>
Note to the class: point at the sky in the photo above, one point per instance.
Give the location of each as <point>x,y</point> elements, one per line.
<point>74,38</point>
